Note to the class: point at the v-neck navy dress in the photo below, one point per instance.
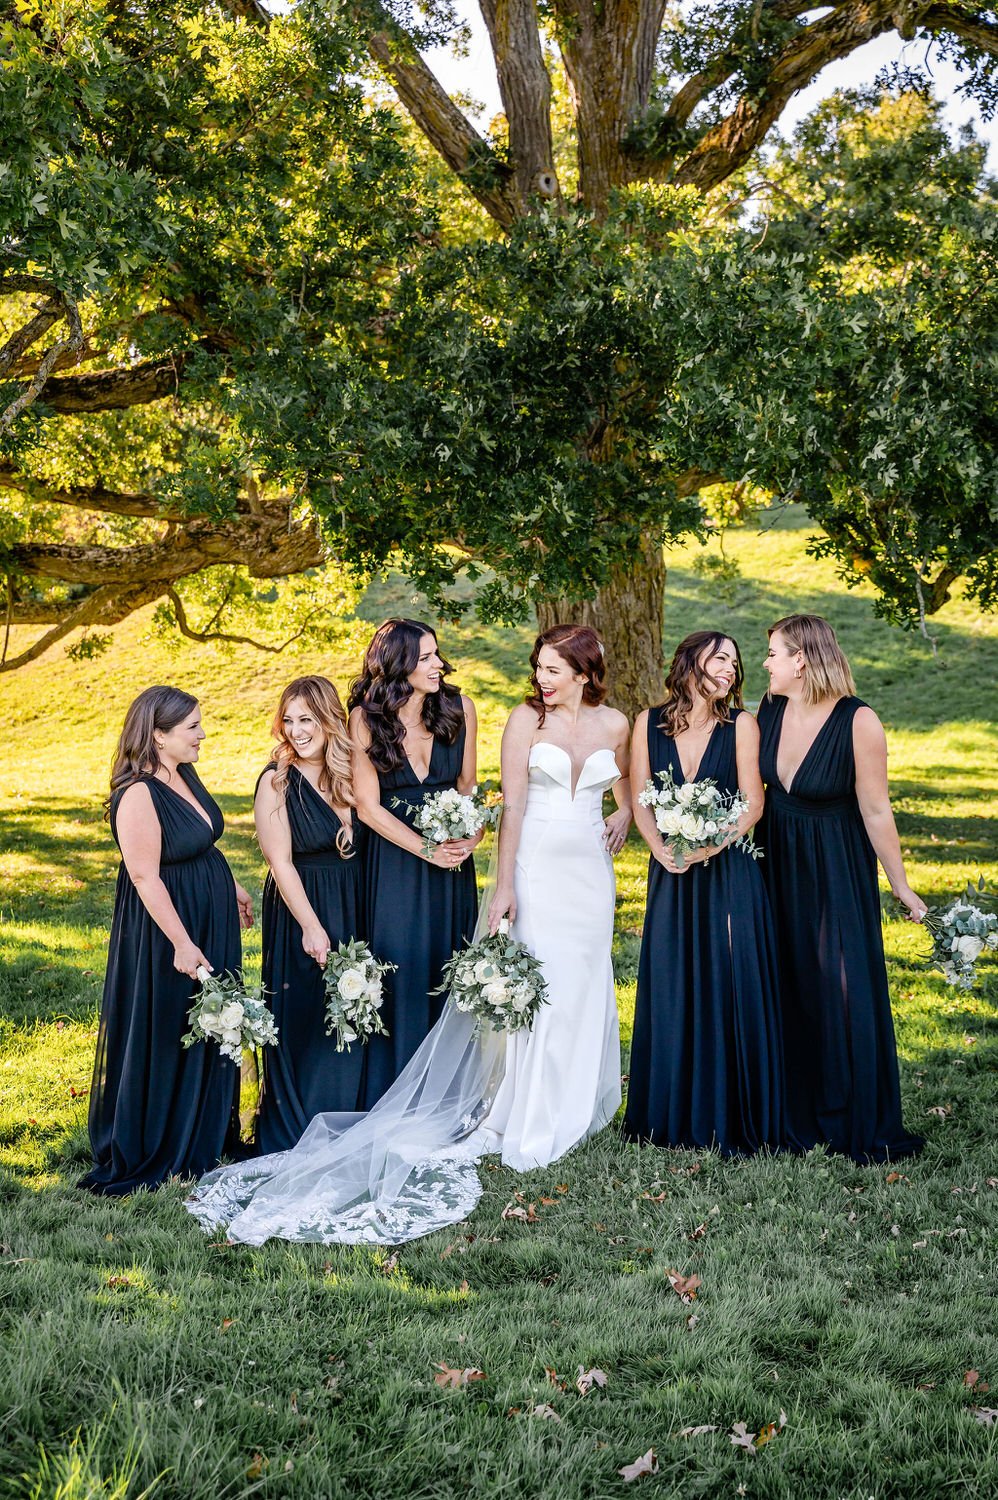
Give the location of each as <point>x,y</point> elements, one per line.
<point>706,1063</point>
<point>304,1075</point>
<point>821,870</point>
<point>158,1109</point>
<point>418,915</point>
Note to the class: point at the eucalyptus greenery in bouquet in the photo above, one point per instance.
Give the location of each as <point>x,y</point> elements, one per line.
<point>961,933</point>
<point>450,814</point>
<point>497,980</point>
<point>354,993</point>
<point>695,815</point>
<point>226,1012</point>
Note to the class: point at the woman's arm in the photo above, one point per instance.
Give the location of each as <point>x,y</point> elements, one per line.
<point>640,774</point>
<point>515,752</point>
<point>274,834</point>
<point>468,777</point>
<point>140,839</point>
<point>367,791</point>
<point>617,824</point>
<point>750,786</point>
<point>869,744</point>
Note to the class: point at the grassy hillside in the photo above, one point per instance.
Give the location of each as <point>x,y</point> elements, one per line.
<point>134,1353</point>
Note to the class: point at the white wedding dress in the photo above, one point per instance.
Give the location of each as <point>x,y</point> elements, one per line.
<point>408,1166</point>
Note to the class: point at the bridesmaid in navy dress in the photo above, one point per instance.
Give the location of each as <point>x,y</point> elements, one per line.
<point>311,902</point>
<point>413,735</point>
<point>157,1109</point>
<point>706,1058</point>
<point>828,820</point>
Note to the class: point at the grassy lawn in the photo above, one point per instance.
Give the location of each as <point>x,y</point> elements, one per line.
<point>137,1357</point>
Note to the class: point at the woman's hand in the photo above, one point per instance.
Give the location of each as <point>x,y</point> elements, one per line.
<point>188,958</point>
<point>315,941</point>
<point>615,830</point>
<point>698,857</point>
<point>503,904</point>
<point>244,901</point>
<point>450,854</point>
<point>916,906</point>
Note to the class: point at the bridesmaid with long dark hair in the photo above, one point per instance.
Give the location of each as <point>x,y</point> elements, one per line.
<point>706,1058</point>
<point>311,902</point>
<point>413,734</point>
<point>157,1109</point>
<point>828,820</point>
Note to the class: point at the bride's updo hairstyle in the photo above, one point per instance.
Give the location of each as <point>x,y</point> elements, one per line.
<point>582,649</point>
<point>383,686</point>
<point>336,777</point>
<point>827,673</point>
<point>157,708</point>
<point>688,679</point>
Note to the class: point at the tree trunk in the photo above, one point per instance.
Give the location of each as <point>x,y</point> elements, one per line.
<point>627,613</point>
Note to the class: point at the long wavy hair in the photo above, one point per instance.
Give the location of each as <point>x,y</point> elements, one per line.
<point>383,685</point>
<point>156,708</point>
<point>827,674</point>
<point>688,680</point>
<point>582,649</point>
<point>336,777</point>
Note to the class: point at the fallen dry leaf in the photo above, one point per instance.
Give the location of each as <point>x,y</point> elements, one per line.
<point>548,1202</point>
<point>685,1287</point>
<point>464,1287</point>
<point>552,1378</point>
<point>695,1431</point>
<point>742,1438</point>
<point>898,1177</point>
<point>971,1377</point>
<point>986,1415</point>
<point>516,1211</point>
<point>545,1412</point>
<point>646,1464</point>
<point>390,1264</point>
<point>699,1232</point>
<point>586,1379</point>
<point>561,1187</point>
<point>656,1197</point>
<point>225,1323</point>
<point>118,1281</point>
<point>752,1442</point>
<point>257,1467</point>
<point>692,1321</point>
<point>940,1110</point>
<point>453,1380</point>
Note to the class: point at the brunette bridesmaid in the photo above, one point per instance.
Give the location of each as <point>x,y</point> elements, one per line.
<point>413,734</point>
<point>706,1060</point>
<point>158,1109</point>
<point>311,902</point>
<point>828,820</point>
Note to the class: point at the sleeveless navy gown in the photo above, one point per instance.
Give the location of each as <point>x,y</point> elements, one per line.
<point>418,915</point>
<point>304,1075</point>
<point>706,1063</point>
<point>157,1109</point>
<point>821,870</point>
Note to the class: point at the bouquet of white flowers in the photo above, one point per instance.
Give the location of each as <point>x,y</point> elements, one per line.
<point>961,932</point>
<point>695,815</point>
<point>497,980</point>
<point>354,994</point>
<point>451,814</point>
<point>226,1012</point>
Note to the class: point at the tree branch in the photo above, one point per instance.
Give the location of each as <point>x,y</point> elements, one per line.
<point>105,606</point>
<point>186,629</point>
<point>525,87</point>
<point>59,308</point>
<point>87,497</point>
<point>452,136</point>
<point>112,390</point>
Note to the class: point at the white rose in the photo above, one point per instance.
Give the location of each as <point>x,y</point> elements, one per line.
<point>346,1035</point>
<point>372,992</point>
<point>710,826</point>
<point>231,1038</point>
<point>686,793</point>
<point>522,996</point>
<point>691,827</point>
<point>668,819</point>
<point>992,939</point>
<point>485,970</point>
<point>351,984</point>
<point>496,992</point>
<point>230,1017</point>
<point>968,947</point>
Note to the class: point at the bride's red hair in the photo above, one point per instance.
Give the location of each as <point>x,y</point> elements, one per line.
<point>582,649</point>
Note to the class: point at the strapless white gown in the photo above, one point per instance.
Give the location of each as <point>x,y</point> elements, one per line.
<point>408,1166</point>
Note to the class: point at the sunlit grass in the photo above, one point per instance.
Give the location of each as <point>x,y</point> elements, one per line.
<point>137,1356</point>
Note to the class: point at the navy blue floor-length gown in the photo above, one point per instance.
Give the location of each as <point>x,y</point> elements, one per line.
<point>157,1109</point>
<point>706,1063</point>
<point>821,870</point>
<point>305,1075</point>
<point>418,915</point>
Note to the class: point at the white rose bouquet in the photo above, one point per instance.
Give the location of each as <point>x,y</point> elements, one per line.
<point>497,980</point>
<point>961,933</point>
<point>226,1012</point>
<point>695,815</point>
<point>354,993</point>
<point>450,814</point>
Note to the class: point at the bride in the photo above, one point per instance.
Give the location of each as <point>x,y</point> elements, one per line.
<point>407,1166</point>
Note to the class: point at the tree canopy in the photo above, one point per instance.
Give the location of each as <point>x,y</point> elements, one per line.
<point>250,337</point>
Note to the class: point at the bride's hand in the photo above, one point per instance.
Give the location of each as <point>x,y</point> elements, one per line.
<point>503,904</point>
<point>615,830</point>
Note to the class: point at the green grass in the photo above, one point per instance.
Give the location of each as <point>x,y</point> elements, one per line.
<point>137,1357</point>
